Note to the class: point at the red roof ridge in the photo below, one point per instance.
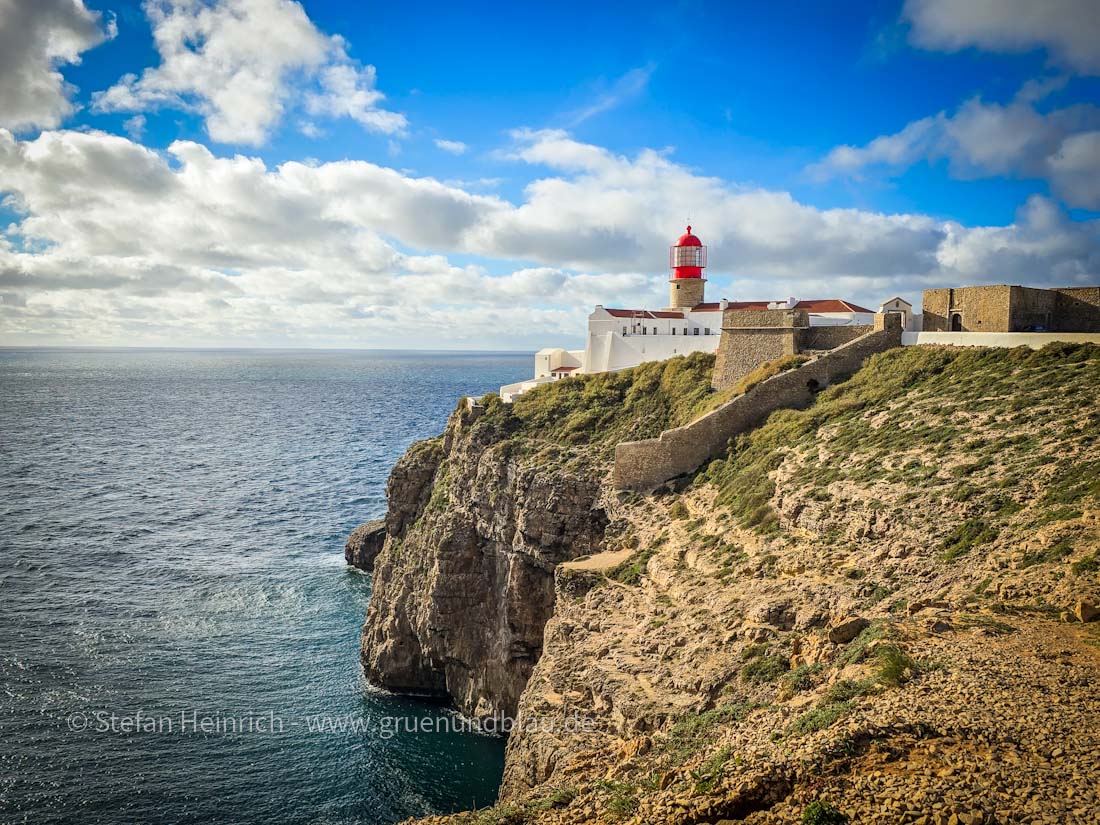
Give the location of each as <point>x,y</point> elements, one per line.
<point>643,313</point>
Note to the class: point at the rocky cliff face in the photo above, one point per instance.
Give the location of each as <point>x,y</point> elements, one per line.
<point>464,583</point>
<point>365,543</point>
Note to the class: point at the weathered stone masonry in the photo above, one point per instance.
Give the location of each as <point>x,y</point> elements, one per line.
<point>819,338</point>
<point>751,337</point>
<point>645,465</point>
<point>1005,308</point>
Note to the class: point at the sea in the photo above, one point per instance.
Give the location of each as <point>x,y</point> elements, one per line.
<point>178,629</point>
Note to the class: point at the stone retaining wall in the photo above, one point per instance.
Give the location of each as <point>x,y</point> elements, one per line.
<point>645,465</point>
<point>832,337</point>
<point>751,337</point>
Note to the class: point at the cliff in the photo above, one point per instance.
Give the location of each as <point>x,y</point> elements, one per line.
<point>881,607</point>
<point>479,519</point>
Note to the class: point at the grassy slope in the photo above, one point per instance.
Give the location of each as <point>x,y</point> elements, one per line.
<point>598,411</point>
<point>969,424</point>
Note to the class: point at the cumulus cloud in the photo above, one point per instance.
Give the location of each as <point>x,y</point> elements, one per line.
<point>453,147</point>
<point>36,38</point>
<point>347,91</point>
<point>1068,29</point>
<point>117,244</point>
<point>241,63</point>
<point>988,139</point>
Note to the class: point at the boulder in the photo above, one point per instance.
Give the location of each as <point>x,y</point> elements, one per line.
<point>1086,611</point>
<point>847,629</point>
<point>365,543</point>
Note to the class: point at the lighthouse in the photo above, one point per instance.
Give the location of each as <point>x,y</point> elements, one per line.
<point>687,258</point>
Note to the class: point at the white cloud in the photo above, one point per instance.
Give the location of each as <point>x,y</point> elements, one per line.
<point>899,150</point>
<point>241,63</point>
<point>134,126</point>
<point>117,244</point>
<point>988,139</point>
<point>454,147</point>
<point>625,88</point>
<point>1075,168</point>
<point>1069,29</point>
<point>347,91</point>
<point>35,39</point>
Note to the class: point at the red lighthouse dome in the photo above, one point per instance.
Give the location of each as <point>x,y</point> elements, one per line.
<point>688,257</point>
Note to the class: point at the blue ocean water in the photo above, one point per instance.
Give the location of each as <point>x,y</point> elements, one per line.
<point>171,548</point>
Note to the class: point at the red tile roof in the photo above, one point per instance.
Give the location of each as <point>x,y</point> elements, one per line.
<point>821,305</point>
<point>714,306</point>
<point>642,313</point>
<point>563,369</point>
<point>831,305</point>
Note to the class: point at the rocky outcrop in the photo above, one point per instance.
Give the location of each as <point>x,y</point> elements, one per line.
<point>464,583</point>
<point>365,543</point>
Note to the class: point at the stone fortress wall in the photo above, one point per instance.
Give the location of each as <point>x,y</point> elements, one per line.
<point>1006,308</point>
<point>751,337</point>
<point>645,465</point>
<point>818,338</point>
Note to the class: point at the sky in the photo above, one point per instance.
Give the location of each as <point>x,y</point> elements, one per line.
<point>271,173</point>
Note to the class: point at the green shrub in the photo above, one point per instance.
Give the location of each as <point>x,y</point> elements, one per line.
<point>801,678</point>
<point>694,731</point>
<point>857,649</point>
<point>819,718</point>
<point>706,775</point>
<point>621,799</point>
<point>1056,552</point>
<point>1089,564</point>
<point>966,536</point>
<point>765,669</point>
<point>631,571</point>
<point>893,663</point>
<point>822,813</point>
<point>847,689</point>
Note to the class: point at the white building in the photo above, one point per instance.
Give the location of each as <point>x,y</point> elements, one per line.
<point>910,321</point>
<point>622,338</point>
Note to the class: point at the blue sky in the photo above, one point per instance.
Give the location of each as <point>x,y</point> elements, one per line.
<point>748,92</point>
<point>520,163</point>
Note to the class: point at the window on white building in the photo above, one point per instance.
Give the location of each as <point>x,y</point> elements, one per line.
<point>685,330</point>
<point>696,331</point>
<point>624,330</point>
<point>706,331</point>
<point>655,330</point>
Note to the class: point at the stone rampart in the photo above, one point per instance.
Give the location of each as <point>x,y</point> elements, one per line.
<point>832,337</point>
<point>645,465</point>
<point>751,337</point>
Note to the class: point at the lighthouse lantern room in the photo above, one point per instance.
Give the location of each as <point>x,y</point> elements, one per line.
<point>688,258</point>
